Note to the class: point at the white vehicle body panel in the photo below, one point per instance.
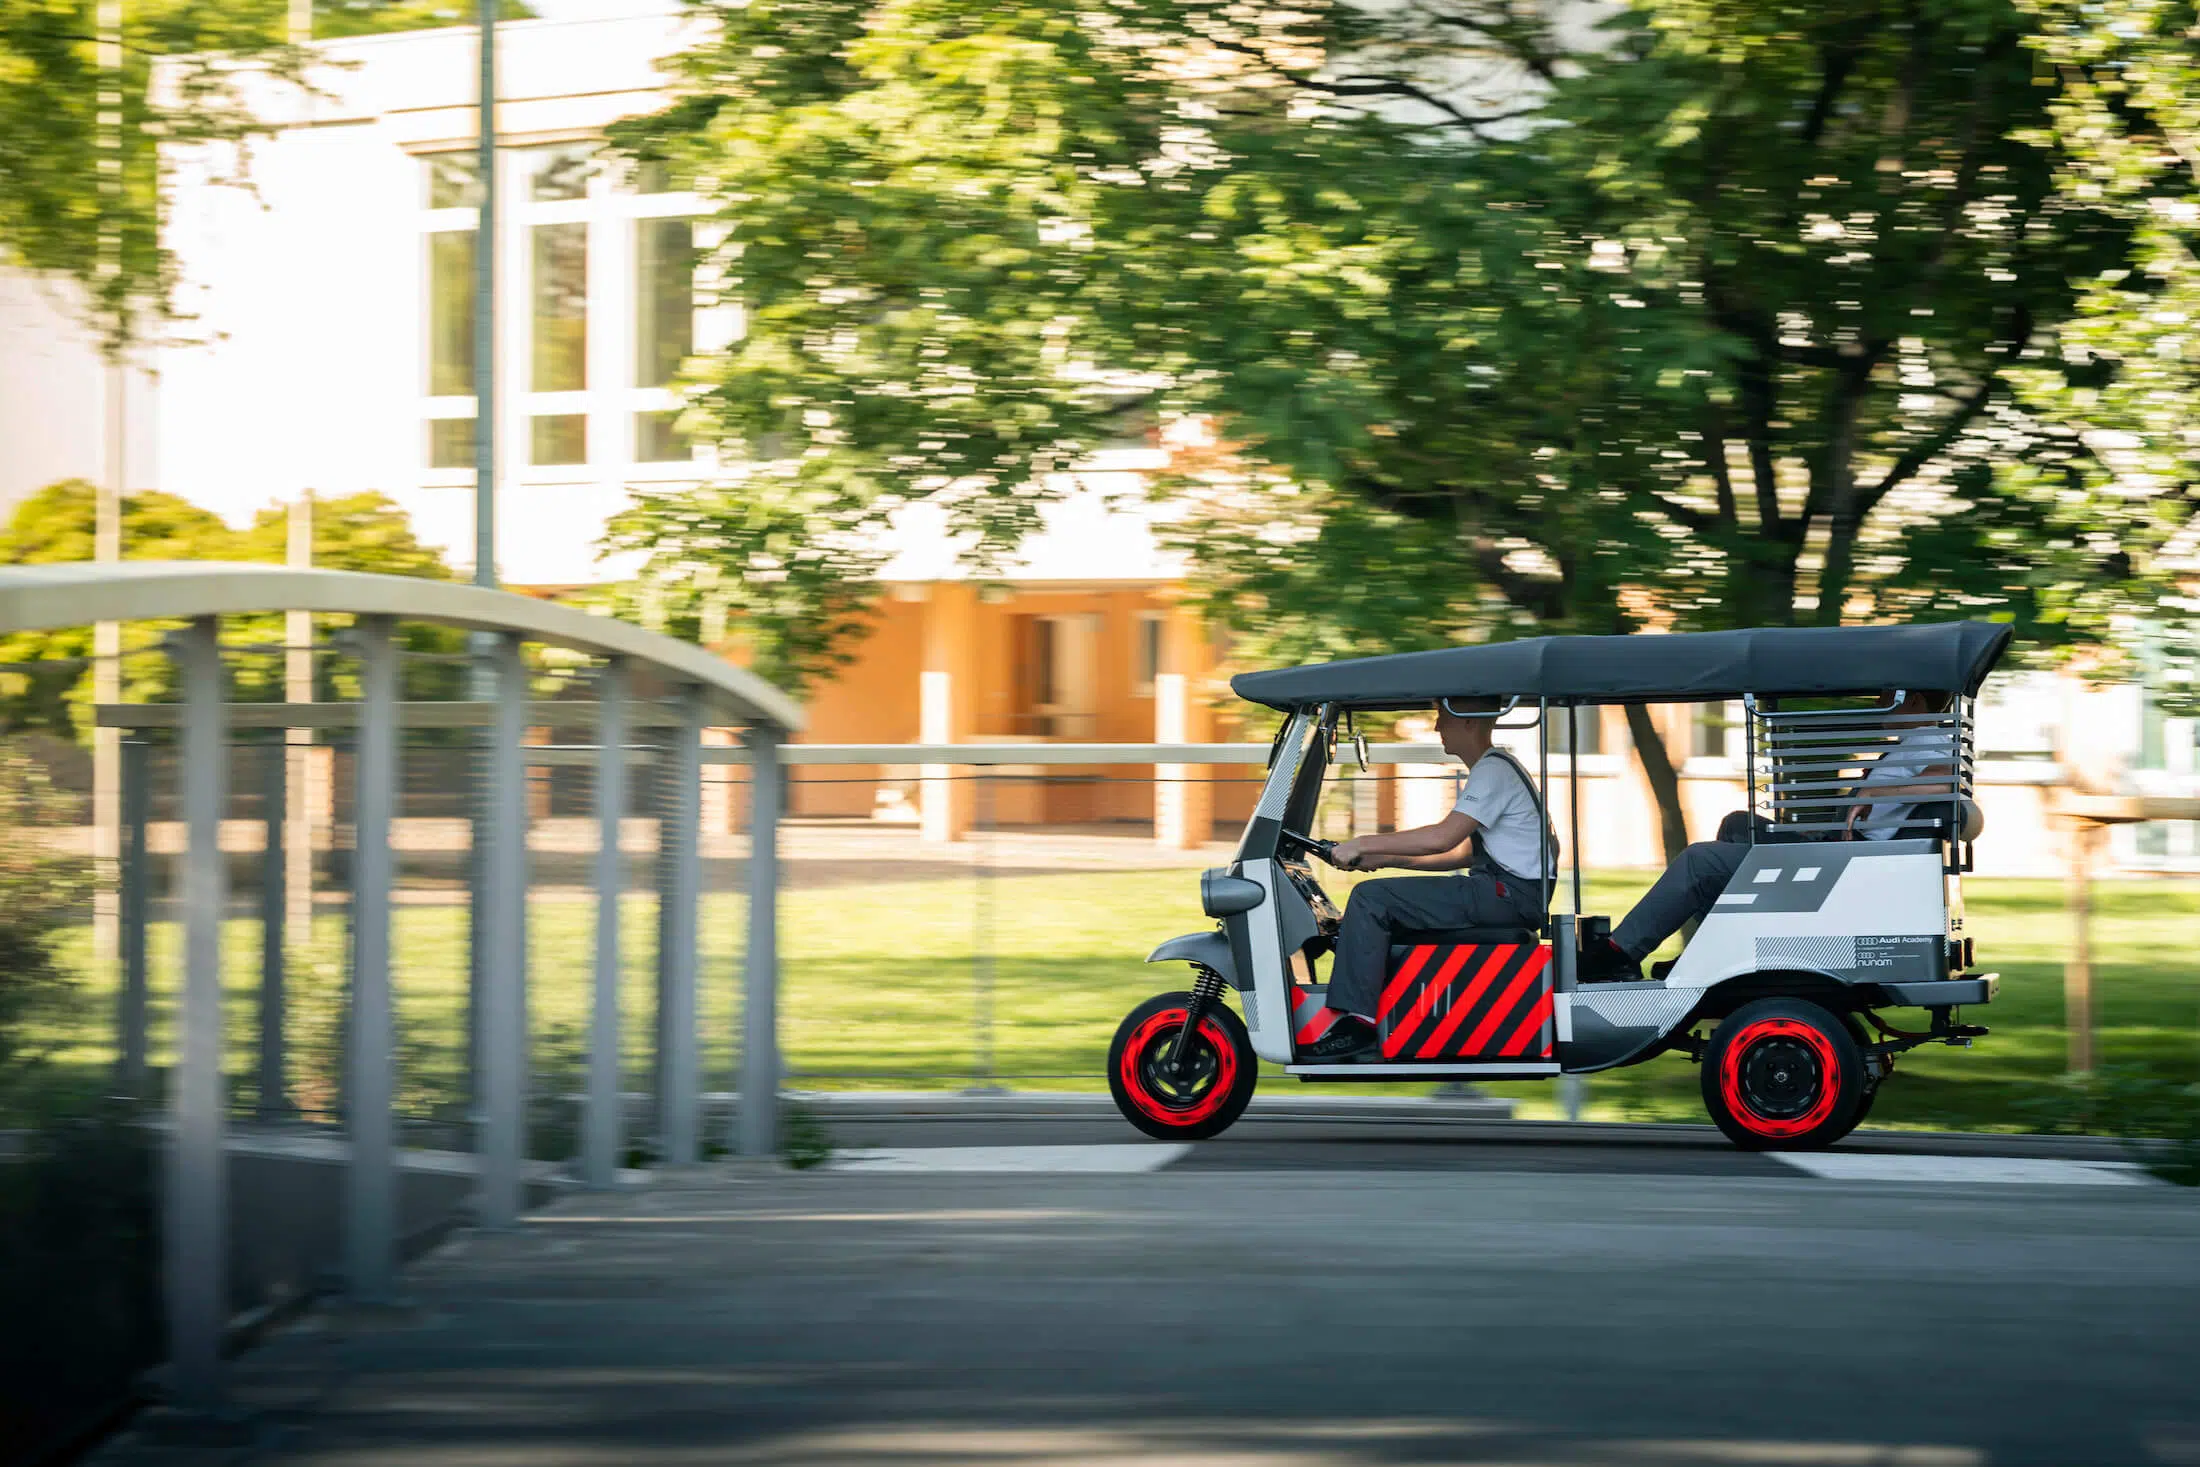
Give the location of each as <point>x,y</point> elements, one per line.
<point>1853,910</point>
<point>1267,1012</point>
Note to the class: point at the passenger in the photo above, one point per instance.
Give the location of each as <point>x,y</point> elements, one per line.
<point>1497,832</point>
<point>1691,885</point>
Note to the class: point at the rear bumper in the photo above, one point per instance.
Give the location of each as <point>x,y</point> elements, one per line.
<point>1943,994</point>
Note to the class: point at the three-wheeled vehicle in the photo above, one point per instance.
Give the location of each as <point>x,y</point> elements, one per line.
<point>1779,993</point>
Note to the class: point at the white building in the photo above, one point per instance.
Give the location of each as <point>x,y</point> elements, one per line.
<point>334,299</point>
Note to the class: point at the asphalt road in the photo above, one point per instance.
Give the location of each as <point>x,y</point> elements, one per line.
<point>1347,1299</point>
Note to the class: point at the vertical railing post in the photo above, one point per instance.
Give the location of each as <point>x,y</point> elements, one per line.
<point>274,1100</point>
<point>601,1126</point>
<point>370,1224</point>
<point>502,1100</point>
<point>135,879</point>
<point>756,1132</point>
<point>196,1242</point>
<point>680,885</point>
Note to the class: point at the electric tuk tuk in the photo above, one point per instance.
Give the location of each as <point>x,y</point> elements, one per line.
<point>1777,995</point>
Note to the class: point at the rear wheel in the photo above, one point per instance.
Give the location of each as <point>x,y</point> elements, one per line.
<point>1188,1103</point>
<point>1783,1075</point>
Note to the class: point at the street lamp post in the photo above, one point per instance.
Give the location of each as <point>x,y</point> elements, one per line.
<point>485,334</point>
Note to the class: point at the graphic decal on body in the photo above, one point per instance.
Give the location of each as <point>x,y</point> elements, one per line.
<point>1468,1001</point>
<point>1866,959</point>
<point>1787,878</point>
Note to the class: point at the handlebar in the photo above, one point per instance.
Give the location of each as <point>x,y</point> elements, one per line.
<point>1321,848</point>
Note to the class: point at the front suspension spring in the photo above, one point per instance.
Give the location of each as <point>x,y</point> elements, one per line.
<point>1206,988</point>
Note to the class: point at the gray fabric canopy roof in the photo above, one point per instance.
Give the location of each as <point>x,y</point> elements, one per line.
<point>1940,657</point>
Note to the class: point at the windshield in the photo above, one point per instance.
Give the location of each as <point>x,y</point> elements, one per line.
<point>1294,783</point>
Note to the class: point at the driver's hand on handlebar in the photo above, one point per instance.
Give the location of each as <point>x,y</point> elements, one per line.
<point>1348,855</point>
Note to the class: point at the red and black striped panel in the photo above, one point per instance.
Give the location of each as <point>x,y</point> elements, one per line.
<point>1478,1001</point>
<point>1311,1016</point>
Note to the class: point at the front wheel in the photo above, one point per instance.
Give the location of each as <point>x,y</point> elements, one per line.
<point>1783,1075</point>
<point>1193,1102</point>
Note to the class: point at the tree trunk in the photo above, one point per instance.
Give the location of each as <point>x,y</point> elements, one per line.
<point>1665,781</point>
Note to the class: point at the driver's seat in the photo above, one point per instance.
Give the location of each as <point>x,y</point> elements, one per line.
<point>1405,937</point>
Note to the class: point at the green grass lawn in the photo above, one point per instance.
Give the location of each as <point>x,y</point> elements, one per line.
<point>881,987</point>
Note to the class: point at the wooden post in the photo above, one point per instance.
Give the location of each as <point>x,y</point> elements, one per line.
<point>2078,969</point>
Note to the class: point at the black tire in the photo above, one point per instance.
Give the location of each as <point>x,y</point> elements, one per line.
<point>1856,1117</point>
<point>1222,1070</point>
<point>1783,1075</point>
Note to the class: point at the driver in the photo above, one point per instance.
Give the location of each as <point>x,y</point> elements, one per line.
<point>1496,832</point>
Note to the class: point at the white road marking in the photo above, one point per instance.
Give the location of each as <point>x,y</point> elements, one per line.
<point>1731,899</point>
<point>1856,1166</point>
<point>1806,873</point>
<point>1770,873</point>
<point>1128,1156</point>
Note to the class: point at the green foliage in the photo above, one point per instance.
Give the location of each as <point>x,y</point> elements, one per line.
<point>40,891</point>
<point>63,210</point>
<point>2162,1116</point>
<point>1723,324</point>
<point>803,1140</point>
<point>335,19</point>
<point>2124,128</point>
<point>356,532</point>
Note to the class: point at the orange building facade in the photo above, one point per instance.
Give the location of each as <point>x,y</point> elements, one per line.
<point>1025,662</point>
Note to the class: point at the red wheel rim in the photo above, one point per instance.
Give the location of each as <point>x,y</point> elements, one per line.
<point>1158,1029</point>
<point>1735,1092</point>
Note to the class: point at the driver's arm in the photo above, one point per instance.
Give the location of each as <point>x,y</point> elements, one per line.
<point>1447,845</point>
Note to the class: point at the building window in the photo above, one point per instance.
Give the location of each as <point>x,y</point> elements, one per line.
<point>658,439</point>
<point>1146,655</point>
<point>1718,732</point>
<point>602,264</point>
<point>450,443</point>
<point>451,312</point>
<point>1588,732</point>
<point>454,181</point>
<point>561,308</point>
<point>664,299</point>
<point>656,176</point>
<point>558,438</point>
<point>560,173</point>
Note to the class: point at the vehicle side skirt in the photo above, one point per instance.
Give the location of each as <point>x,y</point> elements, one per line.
<point>1590,1051</point>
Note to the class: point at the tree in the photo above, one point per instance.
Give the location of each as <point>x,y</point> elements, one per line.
<point>358,532</point>
<point>2125,130</point>
<point>1711,317</point>
<point>55,525</point>
<point>63,210</point>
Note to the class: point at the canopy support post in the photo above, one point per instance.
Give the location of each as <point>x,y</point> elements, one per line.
<point>1573,799</point>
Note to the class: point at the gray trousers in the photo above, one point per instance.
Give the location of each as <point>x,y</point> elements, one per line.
<point>1379,911</point>
<point>1689,888</point>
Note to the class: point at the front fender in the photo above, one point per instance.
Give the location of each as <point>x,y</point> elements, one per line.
<point>1208,949</point>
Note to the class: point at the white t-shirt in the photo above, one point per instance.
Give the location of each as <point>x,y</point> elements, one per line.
<point>1918,750</point>
<point>1498,797</point>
